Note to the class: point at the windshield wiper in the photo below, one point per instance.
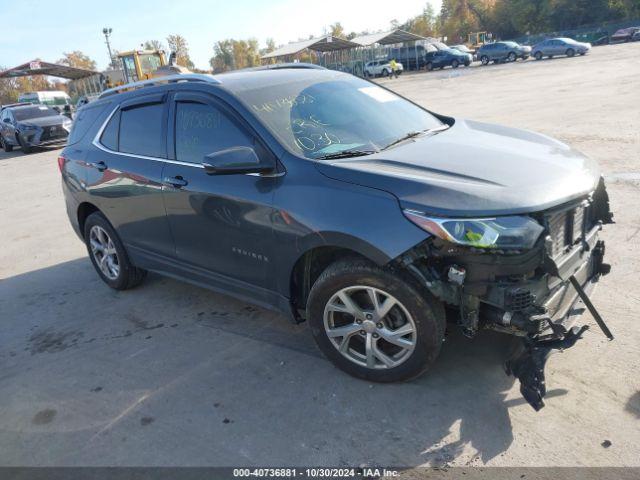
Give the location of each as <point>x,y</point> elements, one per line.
<point>345,154</point>
<point>415,134</point>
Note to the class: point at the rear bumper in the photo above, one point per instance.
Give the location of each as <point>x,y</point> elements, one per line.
<point>72,205</point>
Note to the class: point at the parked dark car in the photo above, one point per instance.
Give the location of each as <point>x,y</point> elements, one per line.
<point>336,201</point>
<point>552,47</point>
<point>625,34</point>
<point>28,126</point>
<point>498,52</point>
<point>448,57</point>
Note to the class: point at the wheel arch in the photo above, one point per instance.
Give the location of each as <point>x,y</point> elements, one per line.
<point>84,210</point>
<point>315,259</point>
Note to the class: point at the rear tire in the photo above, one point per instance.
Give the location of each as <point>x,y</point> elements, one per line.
<point>367,353</point>
<point>108,255</point>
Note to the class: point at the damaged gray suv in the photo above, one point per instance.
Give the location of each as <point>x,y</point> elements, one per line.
<point>335,201</point>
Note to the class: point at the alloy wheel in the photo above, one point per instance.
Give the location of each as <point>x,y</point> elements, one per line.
<point>370,327</point>
<point>104,252</point>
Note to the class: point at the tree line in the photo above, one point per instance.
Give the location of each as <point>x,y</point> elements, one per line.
<point>513,18</point>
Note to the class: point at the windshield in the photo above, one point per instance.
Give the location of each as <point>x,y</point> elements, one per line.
<point>149,62</point>
<point>510,44</point>
<point>33,112</point>
<point>319,118</point>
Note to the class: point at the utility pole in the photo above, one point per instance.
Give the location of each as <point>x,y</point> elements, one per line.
<point>107,33</point>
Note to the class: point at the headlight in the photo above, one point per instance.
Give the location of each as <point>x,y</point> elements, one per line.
<point>25,127</point>
<point>67,125</point>
<point>498,232</point>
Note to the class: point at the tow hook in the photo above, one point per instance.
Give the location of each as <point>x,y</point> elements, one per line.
<point>528,361</point>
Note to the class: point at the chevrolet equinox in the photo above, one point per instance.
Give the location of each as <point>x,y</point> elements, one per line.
<point>336,201</point>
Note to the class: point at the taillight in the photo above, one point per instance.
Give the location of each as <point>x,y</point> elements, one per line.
<point>61,162</point>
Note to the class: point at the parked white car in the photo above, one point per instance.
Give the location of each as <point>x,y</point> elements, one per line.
<point>380,68</point>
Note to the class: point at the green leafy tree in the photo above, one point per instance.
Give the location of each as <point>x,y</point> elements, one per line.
<point>154,45</point>
<point>77,59</point>
<point>178,44</point>
<point>336,30</point>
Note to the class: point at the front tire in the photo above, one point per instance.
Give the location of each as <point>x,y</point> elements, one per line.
<point>374,324</point>
<point>484,60</point>
<point>429,66</point>
<point>512,57</point>
<point>455,64</point>
<point>7,148</point>
<point>538,56</point>
<point>108,255</point>
<point>23,146</point>
<point>570,52</point>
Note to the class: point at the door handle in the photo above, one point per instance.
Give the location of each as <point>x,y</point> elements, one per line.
<point>175,182</point>
<point>100,166</point>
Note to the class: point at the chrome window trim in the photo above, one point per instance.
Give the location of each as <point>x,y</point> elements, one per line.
<point>96,143</point>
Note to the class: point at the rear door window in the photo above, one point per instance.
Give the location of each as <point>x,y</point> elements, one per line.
<point>142,130</point>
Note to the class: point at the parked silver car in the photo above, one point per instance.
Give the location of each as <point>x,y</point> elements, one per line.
<point>380,68</point>
<point>559,46</point>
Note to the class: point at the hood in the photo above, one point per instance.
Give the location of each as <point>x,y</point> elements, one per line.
<point>44,121</point>
<point>474,169</point>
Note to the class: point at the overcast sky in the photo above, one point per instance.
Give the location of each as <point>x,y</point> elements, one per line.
<point>32,29</point>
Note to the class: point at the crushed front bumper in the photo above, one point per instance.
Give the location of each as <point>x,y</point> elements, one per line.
<point>537,296</point>
<point>553,328</point>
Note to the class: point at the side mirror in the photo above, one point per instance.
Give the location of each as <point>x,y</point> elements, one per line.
<point>234,161</point>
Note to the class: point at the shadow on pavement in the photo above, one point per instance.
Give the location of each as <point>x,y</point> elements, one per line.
<point>187,376</point>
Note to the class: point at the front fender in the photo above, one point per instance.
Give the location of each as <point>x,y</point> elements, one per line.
<point>312,210</point>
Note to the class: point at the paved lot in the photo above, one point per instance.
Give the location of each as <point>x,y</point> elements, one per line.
<point>170,374</point>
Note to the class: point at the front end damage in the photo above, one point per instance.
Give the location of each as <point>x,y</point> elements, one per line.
<point>537,294</point>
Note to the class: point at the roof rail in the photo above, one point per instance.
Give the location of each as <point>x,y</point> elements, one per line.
<point>281,66</point>
<point>188,77</point>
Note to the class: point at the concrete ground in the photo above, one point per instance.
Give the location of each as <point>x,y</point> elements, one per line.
<point>171,374</point>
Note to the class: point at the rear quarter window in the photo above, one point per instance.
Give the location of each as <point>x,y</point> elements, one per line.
<point>84,120</point>
<point>109,136</point>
